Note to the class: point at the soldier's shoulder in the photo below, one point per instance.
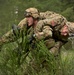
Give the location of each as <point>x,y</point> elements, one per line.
<point>40,22</point>
<point>48,14</point>
<point>23,21</point>
<point>43,22</point>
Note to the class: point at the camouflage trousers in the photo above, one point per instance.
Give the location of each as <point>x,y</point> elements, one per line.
<point>53,47</point>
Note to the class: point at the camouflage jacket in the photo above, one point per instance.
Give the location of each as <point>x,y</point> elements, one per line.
<point>46,30</point>
<point>52,27</point>
<point>10,37</point>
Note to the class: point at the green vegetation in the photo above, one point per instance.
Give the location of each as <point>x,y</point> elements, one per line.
<point>18,61</point>
<point>12,11</point>
<point>13,57</point>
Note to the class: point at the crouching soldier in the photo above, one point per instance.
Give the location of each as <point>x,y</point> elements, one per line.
<point>53,28</point>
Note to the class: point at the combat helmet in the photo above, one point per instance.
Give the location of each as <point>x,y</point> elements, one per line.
<point>32,12</point>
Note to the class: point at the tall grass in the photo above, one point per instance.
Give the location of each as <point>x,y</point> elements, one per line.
<point>36,61</point>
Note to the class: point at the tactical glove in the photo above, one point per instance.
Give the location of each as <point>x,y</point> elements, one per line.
<point>16,30</point>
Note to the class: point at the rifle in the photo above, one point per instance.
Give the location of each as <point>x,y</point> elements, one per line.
<point>16,30</point>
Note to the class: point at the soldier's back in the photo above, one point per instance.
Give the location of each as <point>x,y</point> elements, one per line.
<point>48,14</point>
<point>70,26</point>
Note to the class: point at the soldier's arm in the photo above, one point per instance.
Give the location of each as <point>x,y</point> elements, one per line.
<point>22,23</point>
<point>43,31</point>
<point>55,20</point>
<point>9,36</point>
<point>70,27</point>
<point>46,24</point>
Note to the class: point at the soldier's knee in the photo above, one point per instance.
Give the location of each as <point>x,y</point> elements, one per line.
<point>56,48</point>
<point>54,51</point>
<point>49,43</point>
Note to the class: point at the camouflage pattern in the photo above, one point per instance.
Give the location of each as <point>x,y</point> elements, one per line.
<point>9,36</point>
<point>70,26</point>
<point>55,19</point>
<point>50,30</point>
<point>47,26</point>
<point>43,29</point>
<point>32,12</point>
<point>55,50</point>
<point>47,14</point>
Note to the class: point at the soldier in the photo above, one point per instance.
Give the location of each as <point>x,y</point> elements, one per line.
<point>52,30</point>
<point>51,22</point>
<point>58,30</point>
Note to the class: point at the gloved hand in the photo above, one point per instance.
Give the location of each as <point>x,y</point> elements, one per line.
<point>16,29</point>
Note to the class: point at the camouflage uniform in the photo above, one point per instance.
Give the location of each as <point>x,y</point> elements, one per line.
<point>51,28</point>
<point>70,26</point>
<point>9,36</point>
<point>47,14</point>
<point>43,30</point>
<point>49,20</point>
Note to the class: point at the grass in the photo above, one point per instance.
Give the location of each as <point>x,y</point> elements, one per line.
<point>14,61</point>
<point>68,62</point>
<point>36,62</point>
